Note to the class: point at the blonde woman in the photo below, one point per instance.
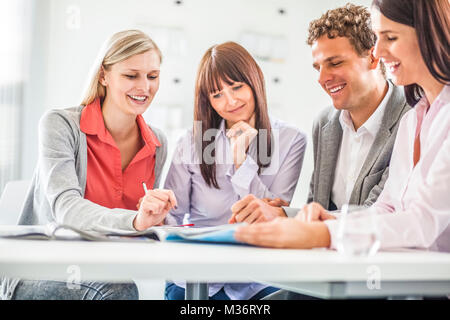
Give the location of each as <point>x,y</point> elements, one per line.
<point>94,159</point>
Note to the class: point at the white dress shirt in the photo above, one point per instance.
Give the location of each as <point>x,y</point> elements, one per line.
<point>355,146</point>
<point>414,207</point>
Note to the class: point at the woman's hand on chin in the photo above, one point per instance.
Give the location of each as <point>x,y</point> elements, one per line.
<point>241,134</point>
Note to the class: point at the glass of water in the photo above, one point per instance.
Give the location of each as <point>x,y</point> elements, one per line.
<point>357,231</point>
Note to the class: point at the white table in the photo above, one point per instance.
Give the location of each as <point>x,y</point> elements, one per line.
<point>322,273</point>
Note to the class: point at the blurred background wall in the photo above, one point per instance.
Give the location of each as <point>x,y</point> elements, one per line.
<point>48,47</point>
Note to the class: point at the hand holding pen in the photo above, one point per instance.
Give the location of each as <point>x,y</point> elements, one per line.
<point>153,208</point>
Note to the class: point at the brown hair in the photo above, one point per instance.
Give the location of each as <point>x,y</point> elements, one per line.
<point>230,63</point>
<point>350,21</point>
<point>431,20</point>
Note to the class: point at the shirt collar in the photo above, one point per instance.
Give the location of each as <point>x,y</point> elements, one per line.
<point>372,125</point>
<point>444,96</point>
<point>147,134</point>
<point>442,99</point>
<point>222,129</point>
<point>92,123</point>
<point>150,139</point>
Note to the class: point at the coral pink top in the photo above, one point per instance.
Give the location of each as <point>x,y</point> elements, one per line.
<point>106,183</point>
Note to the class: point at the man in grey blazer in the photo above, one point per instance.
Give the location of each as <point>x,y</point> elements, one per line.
<point>354,138</point>
<point>327,142</point>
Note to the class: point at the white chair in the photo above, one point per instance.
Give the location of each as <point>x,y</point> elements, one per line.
<point>11,201</point>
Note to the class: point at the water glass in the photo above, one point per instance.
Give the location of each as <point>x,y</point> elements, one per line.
<point>357,231</point>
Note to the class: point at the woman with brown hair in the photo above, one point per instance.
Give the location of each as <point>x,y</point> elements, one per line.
<point>234,150</point>
<point>414,208</point>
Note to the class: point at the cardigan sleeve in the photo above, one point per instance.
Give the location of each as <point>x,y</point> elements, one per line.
<point>59,184</point>
<point>161,155</point>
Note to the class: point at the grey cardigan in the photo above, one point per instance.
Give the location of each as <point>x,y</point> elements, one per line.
<point>327,136</point>
<point>57,189</point>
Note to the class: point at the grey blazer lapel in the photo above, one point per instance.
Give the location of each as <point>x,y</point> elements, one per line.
<point>330,143</point>
<point>392,113</point>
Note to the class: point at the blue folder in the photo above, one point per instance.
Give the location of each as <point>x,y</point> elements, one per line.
<point>221,234</point>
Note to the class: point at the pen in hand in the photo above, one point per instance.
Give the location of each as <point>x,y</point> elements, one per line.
<point>172,202</point>
<point>145,187</point>
<point>145,193</point>
<point>153,208</point>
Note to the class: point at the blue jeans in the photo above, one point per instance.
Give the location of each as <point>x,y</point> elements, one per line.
<point>59,290</point>
<point>174,292</point>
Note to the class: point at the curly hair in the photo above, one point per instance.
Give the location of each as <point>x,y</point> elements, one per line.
<point>349,21</point>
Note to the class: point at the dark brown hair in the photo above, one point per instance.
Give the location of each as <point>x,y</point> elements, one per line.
<point>350,21</point>
<point>431,20</point>
<point>230,63</point>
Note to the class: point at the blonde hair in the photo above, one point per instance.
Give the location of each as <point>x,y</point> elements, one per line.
<point>117,48</point>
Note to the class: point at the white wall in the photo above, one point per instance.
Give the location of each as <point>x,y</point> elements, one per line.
<point>35,95</point>
<point>71,42</point>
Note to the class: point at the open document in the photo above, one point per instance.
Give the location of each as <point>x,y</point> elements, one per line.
<point>217,234</point>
